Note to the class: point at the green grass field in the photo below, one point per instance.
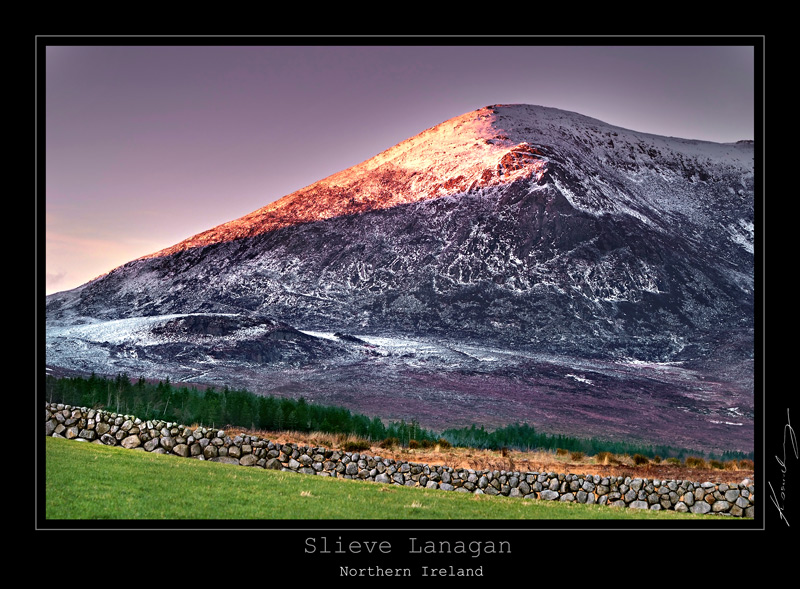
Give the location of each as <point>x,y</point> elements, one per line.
<point>95,482</point>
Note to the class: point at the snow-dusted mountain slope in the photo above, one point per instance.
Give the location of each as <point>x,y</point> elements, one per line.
<point>496,146</point>
<point>513,227</point>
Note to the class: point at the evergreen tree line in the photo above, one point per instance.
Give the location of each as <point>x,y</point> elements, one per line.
<point>524,437</point>
<point>221,408</point>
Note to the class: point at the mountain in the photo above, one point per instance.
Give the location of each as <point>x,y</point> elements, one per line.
<point>515,262</point>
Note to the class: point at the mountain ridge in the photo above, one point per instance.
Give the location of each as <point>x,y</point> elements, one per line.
<point>416,173</point>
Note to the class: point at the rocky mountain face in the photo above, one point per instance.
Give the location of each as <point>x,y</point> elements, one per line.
<point>496,246</point>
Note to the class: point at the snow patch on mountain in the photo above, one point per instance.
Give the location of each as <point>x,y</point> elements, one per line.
<point>743,234</point>
<point>136,330</point>
<point>579,378</point>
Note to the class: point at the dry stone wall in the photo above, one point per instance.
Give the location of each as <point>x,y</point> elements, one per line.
<point>101,427</point>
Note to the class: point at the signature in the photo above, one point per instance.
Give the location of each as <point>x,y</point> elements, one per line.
<point>782,462</point>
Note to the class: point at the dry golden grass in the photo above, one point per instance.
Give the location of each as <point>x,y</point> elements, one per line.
<point>604,463</point>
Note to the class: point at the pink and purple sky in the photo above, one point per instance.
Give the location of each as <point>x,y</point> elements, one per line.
<point>146,145</point>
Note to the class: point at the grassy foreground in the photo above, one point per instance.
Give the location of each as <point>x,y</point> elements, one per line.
<point>91,481</point>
